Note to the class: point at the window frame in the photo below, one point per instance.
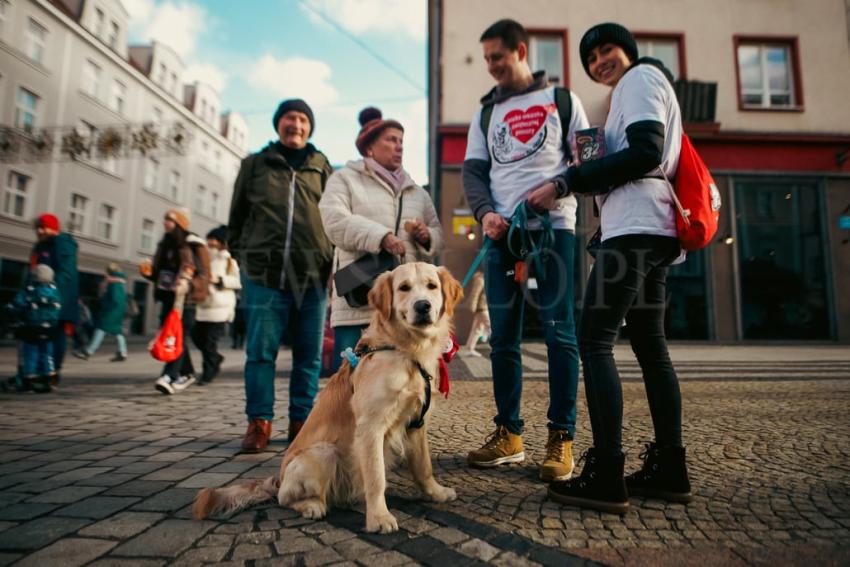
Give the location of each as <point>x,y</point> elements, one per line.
<point>8,191</point>
<point>83,213</point>
<point>154,178</point>
<point>113,99</point>
<point>677,37</point>
<point>174,188</point>
<point>792,43</point>
<point>31,41</point>
<point>563,35</point>
<point>151,236</point>
<point>113,224</point>
<point>20,111</point>
<point>214,201</point>
<point>5,7</point>
<point>201,198</point>
<point>91,84</point>
<point>114,34</point>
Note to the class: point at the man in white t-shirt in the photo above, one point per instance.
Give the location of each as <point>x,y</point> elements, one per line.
<point>518,140</point>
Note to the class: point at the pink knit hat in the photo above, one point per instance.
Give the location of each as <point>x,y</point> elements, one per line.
<point>372,124</point>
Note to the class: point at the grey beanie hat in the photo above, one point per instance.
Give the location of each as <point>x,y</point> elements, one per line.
<point>606,33</point>
<point>43,273</point>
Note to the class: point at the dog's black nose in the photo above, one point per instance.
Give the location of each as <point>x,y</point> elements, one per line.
<point>422,306</point>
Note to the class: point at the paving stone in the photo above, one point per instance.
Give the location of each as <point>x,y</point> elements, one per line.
<point>138,488</point>
<point>302,544</point>
<point>217,540</point>
<point>478,549</point>
<point>202,555</point>
<point>118,562</point>
<point>39,532</point>
<point>323,556</point>
<point>207,480</point>
<point>9,558</point>
<point>68,552</point>
<point>66,495</point>
<point>96,507</point>
<point>390,559</point>
<point>26,511</point>
<point>166,539</point>
<point>123,525</point>
<point>170,473</point>
<point>167,500</point>
<point>107,479</point>
<point>248,551</point>
<point>449,536</point>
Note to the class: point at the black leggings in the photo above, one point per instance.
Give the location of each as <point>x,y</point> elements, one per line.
<point>628,281</point>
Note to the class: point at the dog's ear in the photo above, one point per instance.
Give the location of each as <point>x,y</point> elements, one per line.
<point>452,292</point>
<point>381,295</point>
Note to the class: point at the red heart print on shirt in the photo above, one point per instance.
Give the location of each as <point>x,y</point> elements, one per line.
<point>524,124</point>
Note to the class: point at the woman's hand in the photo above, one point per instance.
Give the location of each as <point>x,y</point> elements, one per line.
<point>544,198</point>
<point>419,231</point>
<point>494,226</point>
<point>393,244</point>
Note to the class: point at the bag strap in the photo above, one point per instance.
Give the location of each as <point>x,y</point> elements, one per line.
<point>398,213</point>
<point>682,211</point>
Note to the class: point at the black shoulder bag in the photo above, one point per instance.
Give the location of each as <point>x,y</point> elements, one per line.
<point>354,281</point>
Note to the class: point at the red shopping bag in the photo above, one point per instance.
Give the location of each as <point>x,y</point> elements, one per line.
<point>168,344</point>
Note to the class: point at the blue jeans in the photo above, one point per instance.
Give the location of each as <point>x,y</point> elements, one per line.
<point>267,314</point>
<point>345,336</point>
<point>37,358</point>
<point>506,302</point>
<point>97,339</point>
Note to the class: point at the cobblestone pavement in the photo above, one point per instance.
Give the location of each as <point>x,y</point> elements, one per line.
<point>103,470</point>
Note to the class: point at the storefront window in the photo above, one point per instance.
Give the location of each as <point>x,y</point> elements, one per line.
<point>687,292</point>
<point>783,272</point>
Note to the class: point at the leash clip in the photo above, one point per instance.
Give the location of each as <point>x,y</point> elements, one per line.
<point>352,358</point>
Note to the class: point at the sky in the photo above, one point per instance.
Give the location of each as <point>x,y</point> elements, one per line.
<point>338,55</point>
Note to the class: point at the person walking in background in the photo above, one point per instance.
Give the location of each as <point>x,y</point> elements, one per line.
<point>480,327</point>
<point>360,209</point>
<point>59,251</point>
<point>275,233</point>
<point>643,132</point>
<point>112,307</point>
<point>84,329</point>
<point>37,306</point>
<point>237,327</point>
<point>502,169</point>
<point>218,310</point>
<point>181,265</point>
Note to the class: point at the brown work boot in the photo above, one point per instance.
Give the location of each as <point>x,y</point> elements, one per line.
<point>501,447</point>
<point>294,429</point>
<point>558,464</point>
<point>257,437</point>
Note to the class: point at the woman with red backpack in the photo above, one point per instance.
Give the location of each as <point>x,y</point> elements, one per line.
<point>180,270</point>
<point>638,240</point>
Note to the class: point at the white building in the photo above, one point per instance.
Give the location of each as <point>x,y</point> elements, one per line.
<point>66,64</point>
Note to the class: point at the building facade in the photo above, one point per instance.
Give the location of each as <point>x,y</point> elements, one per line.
<point>763,87</point>
<point>131,138</point>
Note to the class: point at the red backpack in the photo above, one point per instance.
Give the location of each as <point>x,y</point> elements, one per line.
<point>697,199</point>
<point>168,344</point>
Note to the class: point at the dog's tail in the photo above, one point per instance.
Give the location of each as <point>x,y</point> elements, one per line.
<point>233,498</point>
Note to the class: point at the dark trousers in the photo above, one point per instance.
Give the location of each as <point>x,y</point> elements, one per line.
<point>628,281</point>
<point>182,366</point>
<point>60,344</point>
<point>205,335</point>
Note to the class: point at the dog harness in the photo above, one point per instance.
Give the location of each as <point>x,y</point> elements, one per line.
<point>353,357</point>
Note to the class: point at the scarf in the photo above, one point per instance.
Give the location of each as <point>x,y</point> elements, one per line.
<point>395,179</point>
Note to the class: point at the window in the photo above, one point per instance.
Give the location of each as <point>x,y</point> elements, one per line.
<point>157,115</point>
<point>768,75</point>
<point>174,185</point>
<point>114,34</point>
<point>89,132</point>
<point>91,78</point>
<point>173,81</point>
<point>147,237</point>
<point>546,52</point>
<point>214,205</point>
<point>201,199</point>
<point>35,40</point>
<point>666,48</point>
<point>98,21</point>
<point>110,165</point>
<point>217,162</point>
<point>15,199</point>
<point>203,111</point>
<point>151,174</point>
<point>106,218</point>
<point>4,10</point>
<point>26,109</point>
<point>163,74</point>
<point>119,94</point>
<point>78,213</point>
<point>205,152</point>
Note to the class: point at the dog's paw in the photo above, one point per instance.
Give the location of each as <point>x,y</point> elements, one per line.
<point>442,494</point>
<point>312,509</point>
<point>384,523</point>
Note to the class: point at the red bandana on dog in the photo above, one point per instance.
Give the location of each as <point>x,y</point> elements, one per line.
<point>448,355</point>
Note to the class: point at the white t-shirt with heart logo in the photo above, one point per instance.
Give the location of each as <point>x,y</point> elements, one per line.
<point>525,150</point>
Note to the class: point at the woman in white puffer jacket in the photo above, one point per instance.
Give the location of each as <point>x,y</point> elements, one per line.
<point>218,310</point>
<point>359,209</point>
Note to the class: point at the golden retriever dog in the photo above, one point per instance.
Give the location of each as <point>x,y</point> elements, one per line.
<point>365,419</point>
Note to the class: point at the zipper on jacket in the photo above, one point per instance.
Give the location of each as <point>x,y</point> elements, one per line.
<point>288,242</point>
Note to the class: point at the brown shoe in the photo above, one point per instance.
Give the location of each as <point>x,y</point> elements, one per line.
<point>257,437</point>
<point>294,429</point>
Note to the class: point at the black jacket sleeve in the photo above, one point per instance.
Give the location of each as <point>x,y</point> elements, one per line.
<point>644,153</point>
<point>476,186</point>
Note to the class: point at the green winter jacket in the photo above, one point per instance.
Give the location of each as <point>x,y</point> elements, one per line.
<point>112,305</point>
<point>275,231</point>
<point>60,253</point>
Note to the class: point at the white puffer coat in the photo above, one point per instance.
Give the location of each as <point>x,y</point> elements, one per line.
<point>358,209</point>
<point>220,306</point>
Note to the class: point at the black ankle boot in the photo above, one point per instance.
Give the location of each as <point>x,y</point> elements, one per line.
<point>664,475</point>
<point>600,485</point>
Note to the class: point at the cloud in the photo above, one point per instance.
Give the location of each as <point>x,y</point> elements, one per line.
<point>176,25</point>
<point>139,10</point>
<point>365,16</point>
<point>294,77</point>
<point>206,73</point>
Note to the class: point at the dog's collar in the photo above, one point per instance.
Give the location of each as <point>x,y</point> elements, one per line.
<point>353,357</point>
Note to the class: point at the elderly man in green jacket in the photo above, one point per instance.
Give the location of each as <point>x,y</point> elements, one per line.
<point>276,235</point>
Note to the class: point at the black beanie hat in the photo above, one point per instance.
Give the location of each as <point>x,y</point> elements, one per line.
<point>297,105</point>
<point>219,233</point>
<point>606,33</point>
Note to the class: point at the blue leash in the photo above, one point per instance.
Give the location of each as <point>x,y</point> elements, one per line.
<point>537,250</point>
